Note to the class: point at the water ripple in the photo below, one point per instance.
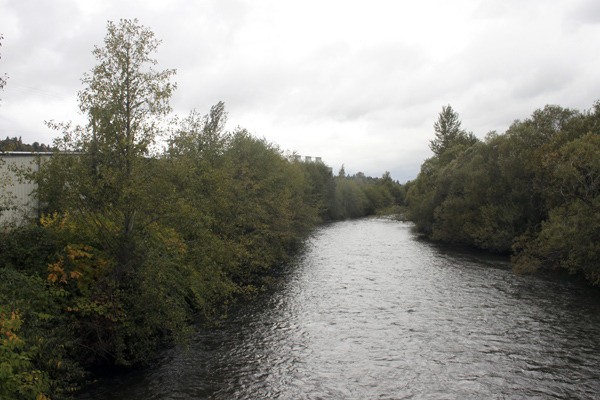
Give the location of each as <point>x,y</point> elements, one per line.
<point>371,312</point>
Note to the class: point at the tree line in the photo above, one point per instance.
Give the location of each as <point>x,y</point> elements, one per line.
<point>16,144</point>
<point>136,241</point>
<point>532,192</point>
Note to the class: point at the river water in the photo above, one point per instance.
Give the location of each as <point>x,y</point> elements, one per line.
<point>369,311</point>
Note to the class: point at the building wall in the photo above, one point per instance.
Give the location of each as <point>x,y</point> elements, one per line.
<point>17,200</point>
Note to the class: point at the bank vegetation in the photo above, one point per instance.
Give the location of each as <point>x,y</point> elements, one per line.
<point>139,242</point>
<point>532,192</point>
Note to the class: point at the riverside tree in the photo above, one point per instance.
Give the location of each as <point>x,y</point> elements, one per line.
<point>532,191</point>
<point>125,101</point>
<point>448,132</point>
<point>100,191</point>
<point>447,129</point>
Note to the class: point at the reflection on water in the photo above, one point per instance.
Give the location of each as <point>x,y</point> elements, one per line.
<point>370,312</point>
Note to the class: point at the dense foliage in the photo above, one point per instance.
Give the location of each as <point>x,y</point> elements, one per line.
<point>135,242</point>
<point>533,191</point>
<point>16,144</point>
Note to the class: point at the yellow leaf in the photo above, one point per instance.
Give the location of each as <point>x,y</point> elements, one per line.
<point>76,274</point>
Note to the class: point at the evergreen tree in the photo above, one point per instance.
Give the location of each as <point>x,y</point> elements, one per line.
<point>448,132</point>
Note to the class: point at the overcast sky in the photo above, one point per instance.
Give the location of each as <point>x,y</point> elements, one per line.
<point>358,83</point>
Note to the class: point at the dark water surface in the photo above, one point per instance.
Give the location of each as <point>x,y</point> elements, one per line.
<point>371,312</point>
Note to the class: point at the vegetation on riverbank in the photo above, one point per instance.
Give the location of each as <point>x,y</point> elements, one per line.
<point>135,242</point>
<point>533,192</point>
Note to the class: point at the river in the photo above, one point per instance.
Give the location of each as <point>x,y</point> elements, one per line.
<point>370,311</point>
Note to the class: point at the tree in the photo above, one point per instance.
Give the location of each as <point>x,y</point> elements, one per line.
<point>201,137</point>
<point>124,267</point>
<point>125,97</point>
<point>568,238</point>
<point>448,132</point>
<point>321,192</point>
<point>125,100</point>
<point>534,190</point>
<point>447,128</point>
<point>270,214</point>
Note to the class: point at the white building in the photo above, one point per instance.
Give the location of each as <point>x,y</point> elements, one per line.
<point>17,199</point>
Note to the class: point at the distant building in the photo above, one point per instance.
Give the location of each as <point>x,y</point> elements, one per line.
<point>17,199</point>
<point>308,159</point>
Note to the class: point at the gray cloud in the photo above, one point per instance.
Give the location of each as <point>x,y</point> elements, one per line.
<point>586,12</point>
<point>353,82</point>
<point>546,79</point>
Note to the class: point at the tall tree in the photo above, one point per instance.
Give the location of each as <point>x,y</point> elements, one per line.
<point>125,100</point>
<point>125,97</point>
<point>448,132</point>
<point>109,196</point>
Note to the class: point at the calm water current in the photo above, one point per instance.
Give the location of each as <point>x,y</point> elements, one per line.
<point>371,312</point>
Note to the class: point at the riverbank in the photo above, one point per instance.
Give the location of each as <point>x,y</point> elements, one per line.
<point>78,296</point>
<point>530,191</point>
